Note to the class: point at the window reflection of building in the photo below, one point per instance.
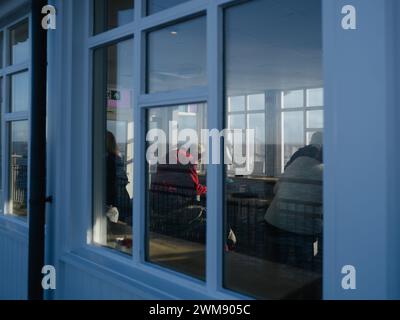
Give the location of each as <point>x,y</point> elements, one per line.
<point>176,195</point>
<point>273,84</point>
<point>19,168</point>
<point>113,144</point>
<point>110,14</point>
<point>17,85</point>
<point>283,121</point>
<point>154,6</point>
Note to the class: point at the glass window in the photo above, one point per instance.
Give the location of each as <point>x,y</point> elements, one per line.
<point>1,154</point>
<point>19,43</point>
<point>311,134</point>
<point>177,56</point>
<point>154,6</point>
<point>236,104</point>
<point>293,99</point>
<point>110,14</point>
<point>176,196</point>
<point>292,133</point>
<point>256,102</point>
<point>19,168</point>
<point>273,210</point>
<point>1,50</point>
<point>19,86</point>
<point>256,122</point>
<point>237,121</point>
<point>113,144</point>
<point>315,97</point>
<point>315,119</point>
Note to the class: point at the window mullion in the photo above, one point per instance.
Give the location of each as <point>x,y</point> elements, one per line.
<point>139,209</point>
<point>215,172</point>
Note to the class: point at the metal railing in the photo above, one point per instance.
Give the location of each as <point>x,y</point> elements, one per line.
<point>19,185</point>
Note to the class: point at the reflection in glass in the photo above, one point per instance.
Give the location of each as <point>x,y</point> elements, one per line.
<point>275,211</point>
<point>315,119</point>
<point>110,14</point>
<point>1,154</point>
<point>19,100</point>
<point>293,99</point>
<point>292,133</point>
<point>236,104</point>
<point>19,43</point>
<point>1,50</point>
<point>256,121</point>
<point>19,168</point>
<point>256,102</point>
<point>176,198</point>
<point>315,97</point>
<point>177,56</point>
<point>154,6</point>
<point>310,135</point>
<point>237,121</point>
<point>113,146</point>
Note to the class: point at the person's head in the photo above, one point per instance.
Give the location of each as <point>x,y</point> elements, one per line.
<point>317,139</point>
<point>112,146</point>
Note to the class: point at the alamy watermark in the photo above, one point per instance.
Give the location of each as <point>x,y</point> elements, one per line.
<point>348,22</point>
<point>49,20</point>
<point>349,279</point>
<point>49,278</point>
<point>238,151</point>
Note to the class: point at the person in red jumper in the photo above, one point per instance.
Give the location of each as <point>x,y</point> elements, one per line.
<point>180,178</point>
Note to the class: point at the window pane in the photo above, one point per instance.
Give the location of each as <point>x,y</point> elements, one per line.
<point>176,198</point>
<point>19,43</point>
<point>177,56</point>
<point>1,154</point>
<point>273,209</point>
<point>256,102</point>
<point>113,146</point>
<point>19,86</point>
<point>315,119</point>
<point>236,104</point>
<point>110,14</point>
<point>19,168</point>
<point>257,123</point>
<point>1,50</point>
<point>293,99</point>
<point>292,133</point>
<point>315,97</point>
<point>154,6</point>
<point>237,121</point>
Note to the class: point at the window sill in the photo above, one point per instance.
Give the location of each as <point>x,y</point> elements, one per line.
<point>14,224</point>
<point>149,278</point>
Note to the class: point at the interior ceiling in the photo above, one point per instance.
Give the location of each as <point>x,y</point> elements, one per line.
<point>273,45</point>
<point>269,45</point>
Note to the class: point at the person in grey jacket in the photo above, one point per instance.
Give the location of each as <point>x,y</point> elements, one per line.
<point>294,218</point>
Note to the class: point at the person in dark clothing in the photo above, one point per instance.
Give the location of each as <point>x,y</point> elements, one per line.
<point>116,194</point>
<point>293,220</point>
<point>313,150</point>
<point>179,178</point>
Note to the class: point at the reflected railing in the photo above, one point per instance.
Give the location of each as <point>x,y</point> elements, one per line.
<point>180,215</point>
<point>19,188</point>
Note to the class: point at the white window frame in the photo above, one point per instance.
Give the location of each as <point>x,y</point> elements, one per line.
<point>136,267</point>
<point>9,117</point>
